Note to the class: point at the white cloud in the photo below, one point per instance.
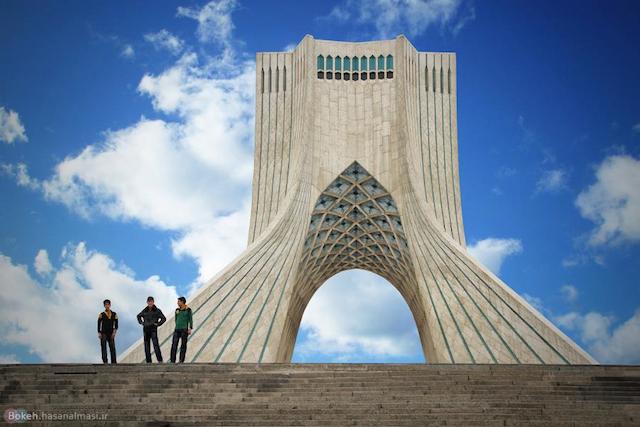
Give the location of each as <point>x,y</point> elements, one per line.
<point>163,39</point>
<point>569,292</point>
<point>613,201</point>
<point>548,156</point>
<point>552,181</point>
<point>583,258</point>
<point>393,17</point>
<point>55,318</point>
<point>636,128</point>
<point>339,13</point>
<point>188,173</point>
<point>42,264</point>
<point>620,345</point>
<point>20,173</point>
<point>464,20</point>
<point>593,326</point>
<point>191,176</point>
<point>290,47</point>
<point>8,359</point>
<point>574,260</point>
<point>128,51</point>
<point>214,244</point>
<point>492,252</point>
<point>214,20</point>
<point>355,314</point>
<point>506,171</point>
<point>534,301</point>
<point>11,128</point>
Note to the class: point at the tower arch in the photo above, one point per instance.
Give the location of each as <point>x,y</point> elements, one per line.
<point>355,224</point>
<point>316,210</point>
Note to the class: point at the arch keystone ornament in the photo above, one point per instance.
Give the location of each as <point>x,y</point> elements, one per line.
<point>356,166</point>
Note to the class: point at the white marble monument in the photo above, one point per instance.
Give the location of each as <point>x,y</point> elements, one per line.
<point>356,166</point>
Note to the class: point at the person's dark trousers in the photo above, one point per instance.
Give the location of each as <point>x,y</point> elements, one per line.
<point>151,335</point>
<point>104,339</point>
<point>179,334</point>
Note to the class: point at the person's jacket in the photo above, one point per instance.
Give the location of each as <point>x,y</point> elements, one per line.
<point>184,318</point>
<point>107,322</point>
<point>151,318</point>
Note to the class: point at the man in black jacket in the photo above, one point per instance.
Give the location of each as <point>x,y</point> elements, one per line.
<point>107,328</point>
<point>150,318</point>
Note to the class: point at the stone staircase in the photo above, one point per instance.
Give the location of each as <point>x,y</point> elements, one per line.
<point>323,394</point>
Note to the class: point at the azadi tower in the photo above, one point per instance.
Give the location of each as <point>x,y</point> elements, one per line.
<point>356,166</point>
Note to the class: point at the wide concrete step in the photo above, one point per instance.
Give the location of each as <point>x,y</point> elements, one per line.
<point>326,394</point>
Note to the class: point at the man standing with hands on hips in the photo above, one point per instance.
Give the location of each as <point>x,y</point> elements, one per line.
<point>150,318</point>
<point>184,326</point>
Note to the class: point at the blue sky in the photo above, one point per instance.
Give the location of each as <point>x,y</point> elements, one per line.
<point>126,152</point>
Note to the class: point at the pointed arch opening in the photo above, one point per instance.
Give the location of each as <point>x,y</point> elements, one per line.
<point>355,224</point>
<point>372,67</point>
<point>320,67</point>
<point>363,66</point>
<point>357,316</point>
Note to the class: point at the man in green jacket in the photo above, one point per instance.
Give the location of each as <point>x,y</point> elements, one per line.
<point>184,326</point>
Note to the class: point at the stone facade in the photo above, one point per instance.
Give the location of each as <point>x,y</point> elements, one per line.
<point>354,173</point>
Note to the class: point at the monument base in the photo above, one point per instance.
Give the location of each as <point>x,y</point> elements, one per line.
<point>321,394</point>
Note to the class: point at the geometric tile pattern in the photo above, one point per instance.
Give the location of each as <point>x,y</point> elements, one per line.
<point>355,224</point>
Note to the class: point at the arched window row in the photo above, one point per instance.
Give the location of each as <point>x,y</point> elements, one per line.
<point>355,68</point>
<point>268,85</point>
<point>430,77</point>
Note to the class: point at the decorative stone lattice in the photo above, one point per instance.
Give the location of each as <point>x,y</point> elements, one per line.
<point>355,224</point>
